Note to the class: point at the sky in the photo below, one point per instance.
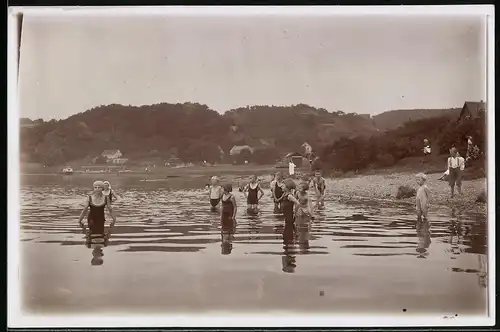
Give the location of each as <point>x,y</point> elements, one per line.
<point>360,64</point>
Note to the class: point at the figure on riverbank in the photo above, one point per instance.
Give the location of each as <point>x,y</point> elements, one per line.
<point>456,165</point>
<point>291,168</point>
<point>422,197</point>
<point>253,193</point>
<point>215,193</point>
<point>319,185</point>
<point>229,206</point>
<point>95,204</point>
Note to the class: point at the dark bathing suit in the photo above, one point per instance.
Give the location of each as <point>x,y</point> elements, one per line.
<point>278,191</point>
<point>96,220</point>
<point>320,185</point>
<point>214,201</point>
<point>227,208</point>
<point>288,208</point>
<point>252,195</point>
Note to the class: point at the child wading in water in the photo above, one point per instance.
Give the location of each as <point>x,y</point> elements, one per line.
<point>229,207</point>
<point>108,191</point>
<point>96,202</point>
<point>278,193</point>
<point>303,210</point>
<point>289,202</point>
<point>252,191</point>
<point>319,185</point>
<point>215,191</point>
<point>423,195</point>
<point>272,184</point>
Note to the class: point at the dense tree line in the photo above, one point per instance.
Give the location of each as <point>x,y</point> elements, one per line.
<point>348,154</point>
<point>189,131</point>
<point>193,133</point>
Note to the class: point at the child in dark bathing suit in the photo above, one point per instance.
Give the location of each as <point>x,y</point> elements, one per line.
<point>215,191</point>
<point>319,185</point>
<point>251,192</point>
<point>229,207</point>
<point>289,202</point>
<point>95,204</point>
<point>278,193</point>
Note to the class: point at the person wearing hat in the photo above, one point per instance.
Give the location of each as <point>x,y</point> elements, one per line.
<point>108,191</point>
<point>95,204</point>
<point>456,165</point>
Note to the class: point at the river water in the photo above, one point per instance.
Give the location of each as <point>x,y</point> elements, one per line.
<point>169,254</point>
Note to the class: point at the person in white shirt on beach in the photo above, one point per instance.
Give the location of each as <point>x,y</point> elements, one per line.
<point>456,165</point>
<point>291,168</point>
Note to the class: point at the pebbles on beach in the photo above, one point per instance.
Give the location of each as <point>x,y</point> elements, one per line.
<point>386,187</point>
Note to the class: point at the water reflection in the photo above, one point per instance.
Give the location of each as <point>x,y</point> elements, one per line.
<point>228,228</point>
<point>97,256</point>
<point>160,225</point>
<point>288,260</point>
<point>424,237</point>
<point>174,221</point>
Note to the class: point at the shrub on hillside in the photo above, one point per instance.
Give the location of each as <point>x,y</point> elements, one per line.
<point>385,160</point>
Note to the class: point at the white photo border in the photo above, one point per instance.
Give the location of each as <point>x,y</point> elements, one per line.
<point>15,318</point>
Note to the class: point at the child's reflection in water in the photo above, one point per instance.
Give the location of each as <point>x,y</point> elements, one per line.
<point>97,255</point>
<point>424,237</point>
<point>456,236</point>
<point>97,242</point>
<point>302,228</point>
<point>288,258</point>
<point>228,228</point>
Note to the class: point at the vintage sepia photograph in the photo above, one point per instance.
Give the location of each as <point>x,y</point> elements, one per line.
<point>241,162</point>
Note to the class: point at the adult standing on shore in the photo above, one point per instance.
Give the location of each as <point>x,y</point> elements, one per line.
<point>456,165</point>
<point>427,150</point>
<point>291,168</point>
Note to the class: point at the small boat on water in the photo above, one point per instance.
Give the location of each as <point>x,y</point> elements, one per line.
<point>67,170</point>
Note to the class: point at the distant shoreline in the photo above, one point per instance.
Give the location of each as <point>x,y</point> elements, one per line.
<point>378,185</point>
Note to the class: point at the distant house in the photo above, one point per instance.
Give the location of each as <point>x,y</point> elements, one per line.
<point>294,157</point>
<point>112,154</point>
<point>471,110</point>
<point>119,161</point>
<point>236,150</point>
<point>173,161</point>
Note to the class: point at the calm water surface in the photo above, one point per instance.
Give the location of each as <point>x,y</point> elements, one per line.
<point>169,253</point>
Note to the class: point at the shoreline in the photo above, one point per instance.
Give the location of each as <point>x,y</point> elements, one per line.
<point>384,187</point>
<point>381,186</point>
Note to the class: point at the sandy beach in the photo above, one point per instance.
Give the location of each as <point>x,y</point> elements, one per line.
<point>385,187</point>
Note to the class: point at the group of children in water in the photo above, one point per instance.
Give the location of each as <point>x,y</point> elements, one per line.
<point>289,199</point>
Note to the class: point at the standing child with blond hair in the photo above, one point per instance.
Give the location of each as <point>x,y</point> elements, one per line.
<point>423,197</point>
<point>215,191</point>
